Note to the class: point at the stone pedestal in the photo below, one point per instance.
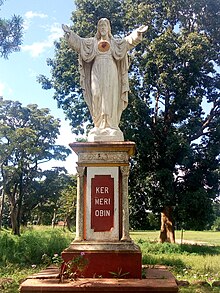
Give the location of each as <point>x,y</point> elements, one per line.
<point>156,280</point>
<point>102,220</point>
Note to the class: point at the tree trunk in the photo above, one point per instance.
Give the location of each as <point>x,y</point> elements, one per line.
<point>2,202</point>
<point>68,223</point>
<point>19,204</point>
<point>16,213</point>
<point>167,231</point>
<point>14,221</point>
<point>54,218</point>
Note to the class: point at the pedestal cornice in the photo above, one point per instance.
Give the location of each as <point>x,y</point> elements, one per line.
<point>125,146</point>
<point>106,154</point>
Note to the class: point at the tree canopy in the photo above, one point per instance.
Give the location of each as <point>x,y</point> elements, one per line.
<point>27,139</point>
<point>174,105</point>
<point>10,34</point>
<point>54,198</point>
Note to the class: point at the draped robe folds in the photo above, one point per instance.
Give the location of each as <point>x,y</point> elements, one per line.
<point>104,77</point>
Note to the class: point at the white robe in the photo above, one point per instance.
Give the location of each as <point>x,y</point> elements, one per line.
<point>104,76</point>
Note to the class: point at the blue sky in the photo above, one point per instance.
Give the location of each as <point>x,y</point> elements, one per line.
<point>42,26</point>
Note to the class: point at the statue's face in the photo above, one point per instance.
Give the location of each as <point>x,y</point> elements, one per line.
<point>103,28</point>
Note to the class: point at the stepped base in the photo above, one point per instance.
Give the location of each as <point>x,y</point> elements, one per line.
<point>107,259</point>
<point>157,280</point>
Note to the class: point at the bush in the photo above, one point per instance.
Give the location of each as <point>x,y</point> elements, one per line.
<point>216,225</point>
<point>30,246</point>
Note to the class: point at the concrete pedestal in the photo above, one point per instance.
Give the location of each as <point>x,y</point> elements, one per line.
<point>107,259</point>
<point>102,221</point>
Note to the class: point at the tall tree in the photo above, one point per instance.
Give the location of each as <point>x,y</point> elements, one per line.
<point>67,204</point>
<point>173,113</point>
<point>51,195</point>
<point>27,139</point>
<point>181,87</point>
<point>10,34</point>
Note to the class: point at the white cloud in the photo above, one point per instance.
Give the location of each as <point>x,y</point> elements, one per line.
<point>56,31</point>
<point>37,48</point>
<point>5,90</point>
<point>31,14</point>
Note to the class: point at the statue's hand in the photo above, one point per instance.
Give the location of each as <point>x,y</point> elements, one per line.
<point>142,29</point>
<point>66,29</point>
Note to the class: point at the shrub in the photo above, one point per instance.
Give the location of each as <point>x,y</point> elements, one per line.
<point>216,225</point>
<point>30,246</point>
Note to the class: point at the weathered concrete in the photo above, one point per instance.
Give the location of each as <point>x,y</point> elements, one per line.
<point>157,280</point>
<point>102,218</point>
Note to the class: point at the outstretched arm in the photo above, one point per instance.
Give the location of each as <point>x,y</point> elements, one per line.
<point>72,38</point>
<point>142,29</point>
<point>136,36</point>
<point>66,29</point>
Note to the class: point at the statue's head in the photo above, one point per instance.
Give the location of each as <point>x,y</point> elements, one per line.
<point>103,27</point>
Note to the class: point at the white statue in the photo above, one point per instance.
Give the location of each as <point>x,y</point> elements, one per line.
<point>103,66</point>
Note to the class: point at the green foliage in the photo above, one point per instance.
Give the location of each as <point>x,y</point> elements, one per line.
<point>13,274</point>
<point>216,224</point>
<point>27,139</point>
<point>67,204</point>
<point>49,199</point>
<point>198,288</point>
<point>11,32</point>
<point>170,248</point>
<point>187,262</point>
<point>29,248</point>
<point>119,274</point>
<point>73,269</point>
<point>172,81</point>
<point>173,112</point>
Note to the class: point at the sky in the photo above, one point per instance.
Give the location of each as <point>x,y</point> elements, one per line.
<point>18,73</point>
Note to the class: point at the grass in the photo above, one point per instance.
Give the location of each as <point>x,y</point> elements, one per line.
<point>31,245</point>
<point>199,289</point>
<point>22,256</point>
<point>209,237</point>
<point>187,262</point>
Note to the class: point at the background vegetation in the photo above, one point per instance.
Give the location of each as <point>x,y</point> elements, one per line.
<point>173,117</point>
<point>173,112</point>
<point>35,249</point>
<point>11,32</point>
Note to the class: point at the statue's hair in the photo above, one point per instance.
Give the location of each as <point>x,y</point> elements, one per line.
<point>98,35</point>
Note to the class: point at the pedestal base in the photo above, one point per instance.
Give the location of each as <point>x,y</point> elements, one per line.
<point>157,280</point>
<point>107,260</point>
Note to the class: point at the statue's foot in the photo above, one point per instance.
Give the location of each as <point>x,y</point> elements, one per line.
<point>109,131</point>
<point>105,134</point>
<point>95,130</point>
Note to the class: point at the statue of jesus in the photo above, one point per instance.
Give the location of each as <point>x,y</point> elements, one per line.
<point>103,66</point>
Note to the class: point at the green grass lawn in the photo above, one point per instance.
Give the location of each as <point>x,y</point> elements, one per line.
<point>209,237</point>
<point>21,256</point>
<point>198,260</point>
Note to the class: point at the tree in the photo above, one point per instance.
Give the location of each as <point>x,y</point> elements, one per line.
<point>50,199</point>
<point>173,113</point>
<point>67,204</point>
<point>182,151</point>
<point>27,139</point>
<point>10,34</point>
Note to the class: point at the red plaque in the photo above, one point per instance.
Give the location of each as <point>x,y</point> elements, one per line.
<point>102,203</point>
